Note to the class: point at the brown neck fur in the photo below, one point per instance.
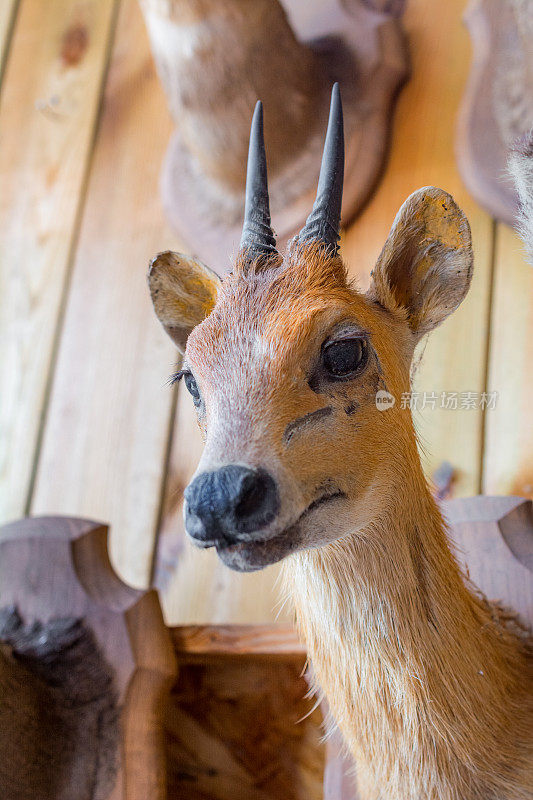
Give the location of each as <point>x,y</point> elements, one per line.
<point>420,671</point>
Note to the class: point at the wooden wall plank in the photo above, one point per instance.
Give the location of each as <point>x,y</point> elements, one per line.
<point>200,589</point>
<point>107,427</point>
<point>48,109</point>
<point>508,458</point>
<point>423,154</point>
<point>8,10</point>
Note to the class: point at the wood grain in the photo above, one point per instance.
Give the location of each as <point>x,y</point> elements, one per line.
<point>508,456</point>
<point>107,426</point>
<point>422,154</point>
<point>48,108</point>
<point>219,640</point>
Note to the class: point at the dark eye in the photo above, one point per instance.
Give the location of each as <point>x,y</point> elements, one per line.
<point>192,388</point>
<point>343,358</point>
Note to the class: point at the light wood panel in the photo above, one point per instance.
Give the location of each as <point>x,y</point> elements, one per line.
<point>107,426</point>
<point>7,15</point>
<point>201,589</point>
<point>423,154</point>
<point>508,459</point>
<point>50,97</point>
<point>237,640</point>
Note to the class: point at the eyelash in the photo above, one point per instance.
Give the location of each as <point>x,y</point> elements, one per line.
<point>176,377</point>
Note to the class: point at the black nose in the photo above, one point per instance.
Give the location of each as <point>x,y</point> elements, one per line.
<point>229,501</point>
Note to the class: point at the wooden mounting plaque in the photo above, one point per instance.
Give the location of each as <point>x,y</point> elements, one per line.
<point>493,538</point>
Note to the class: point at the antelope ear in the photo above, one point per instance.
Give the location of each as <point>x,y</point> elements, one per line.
<point>425,268</point>
<point>183,291</point>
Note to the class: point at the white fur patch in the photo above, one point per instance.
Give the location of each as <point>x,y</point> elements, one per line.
<point>184,40</point>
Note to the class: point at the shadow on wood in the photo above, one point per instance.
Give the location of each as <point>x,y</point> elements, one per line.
<point>239,724</point>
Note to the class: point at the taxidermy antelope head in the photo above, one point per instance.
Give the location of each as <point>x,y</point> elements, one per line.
<point>284,361</point>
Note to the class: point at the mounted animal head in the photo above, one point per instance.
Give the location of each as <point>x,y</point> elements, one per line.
<point>286,362</point>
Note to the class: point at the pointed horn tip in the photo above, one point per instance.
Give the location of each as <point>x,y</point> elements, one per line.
<point>336,99</point>
<point>258,110</point>
<point>256,127</point>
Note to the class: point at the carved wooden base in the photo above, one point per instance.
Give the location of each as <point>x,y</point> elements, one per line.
<point>362,48</point>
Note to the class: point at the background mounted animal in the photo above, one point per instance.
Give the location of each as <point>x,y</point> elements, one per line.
<point>215,57</point>
<point>497,106</point>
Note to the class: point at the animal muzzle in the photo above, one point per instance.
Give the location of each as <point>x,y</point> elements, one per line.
<point>229,505</point>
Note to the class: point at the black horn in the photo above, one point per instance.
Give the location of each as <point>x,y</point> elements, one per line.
<point>324,222</point>
<point>257,235</point>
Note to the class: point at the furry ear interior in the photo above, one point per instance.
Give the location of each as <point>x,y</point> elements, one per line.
<point>425,268</point>
<point>184,291</point>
